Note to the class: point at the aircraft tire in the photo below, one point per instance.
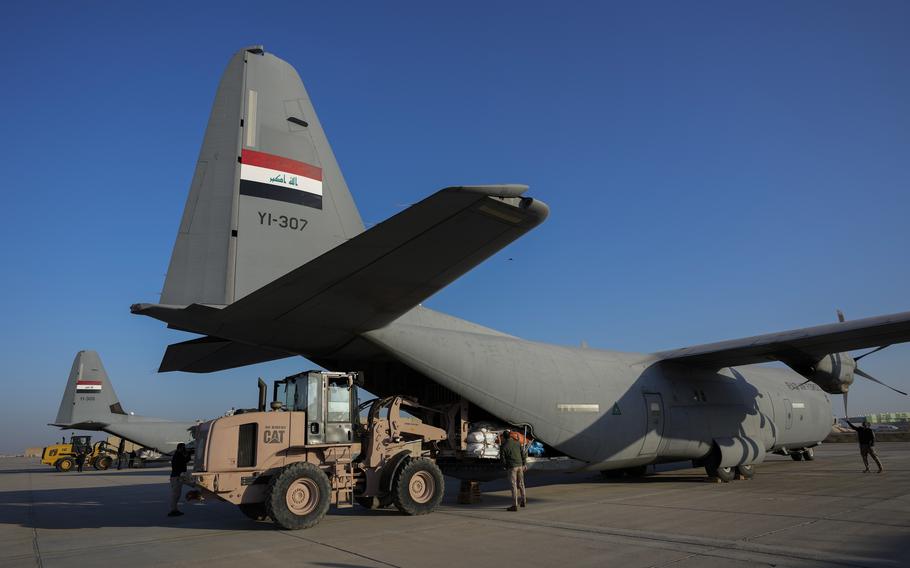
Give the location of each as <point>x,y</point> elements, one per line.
<point>65,464</point>
<point>713,468</point>
<point>103,463</point>
<point>796,456</point>
<point>418,487</point>
<point>808,454</point>
<point>255,511</point>
<point>298,496</point>
<point>745,471</point>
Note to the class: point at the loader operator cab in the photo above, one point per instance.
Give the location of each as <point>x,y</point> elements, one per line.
<point>81,444</point>
<point>329,400</point>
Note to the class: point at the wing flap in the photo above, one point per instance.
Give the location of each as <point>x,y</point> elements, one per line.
<point>797,346</point>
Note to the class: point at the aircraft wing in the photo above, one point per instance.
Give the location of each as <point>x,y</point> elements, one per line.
<point>798,346</point>
<point>362,284</point>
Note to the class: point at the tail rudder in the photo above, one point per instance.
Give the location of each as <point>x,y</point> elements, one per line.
<point>267,195</point>
<point>89,400</point>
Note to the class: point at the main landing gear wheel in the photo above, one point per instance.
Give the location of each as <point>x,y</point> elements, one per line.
<point>796,456</point>
<point>298,496</point>
<point>64,464</point>
<point>745,471</point>
<point>713,468</point>
<point>103,463</point>
<point>808,454</point>
<point>418,487</point>
<point>255,511</point>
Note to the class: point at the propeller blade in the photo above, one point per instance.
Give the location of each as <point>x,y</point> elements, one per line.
<point>876,350</point>
<point>846,414</point>
<point>840,316</point>
<point>862,373</point>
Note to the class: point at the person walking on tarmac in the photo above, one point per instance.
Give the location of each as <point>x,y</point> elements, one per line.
<point>866,437</point>
<point>178,467</point>
<point>80,458</point>
<point>515,460</point>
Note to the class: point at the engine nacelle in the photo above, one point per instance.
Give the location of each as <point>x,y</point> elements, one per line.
<point>833,373</point>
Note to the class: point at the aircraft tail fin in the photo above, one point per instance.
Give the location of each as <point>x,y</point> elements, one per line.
<point>89,401</point>
<point>267,195</point>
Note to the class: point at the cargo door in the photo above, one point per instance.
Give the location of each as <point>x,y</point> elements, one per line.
<point>654,424</point>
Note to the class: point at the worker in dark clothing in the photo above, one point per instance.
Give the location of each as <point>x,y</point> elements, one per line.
<point>866,437</point>
<point>120,449</point>
<point>515,460</point>
<point>178,467</point>
<point>132,459</point>
<point>80,458</point>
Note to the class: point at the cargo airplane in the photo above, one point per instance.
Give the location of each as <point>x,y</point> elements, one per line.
<point>272,260</point>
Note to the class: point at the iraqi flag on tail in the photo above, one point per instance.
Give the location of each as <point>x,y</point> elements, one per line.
<point>88,386</point>
<point>273,177</point>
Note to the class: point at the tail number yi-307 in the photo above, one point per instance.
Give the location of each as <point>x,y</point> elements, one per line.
<point>281,221</point>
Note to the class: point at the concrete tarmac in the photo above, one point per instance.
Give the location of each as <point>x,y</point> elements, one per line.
<point>820,513</point>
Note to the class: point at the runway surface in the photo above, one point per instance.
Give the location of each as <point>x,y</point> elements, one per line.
<point>820,513</point>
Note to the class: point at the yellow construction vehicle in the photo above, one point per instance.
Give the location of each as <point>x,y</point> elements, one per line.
<point>63,456</point>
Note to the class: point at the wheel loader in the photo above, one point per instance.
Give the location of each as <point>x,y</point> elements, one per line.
<point>63,456</point>
<point>312,450</point>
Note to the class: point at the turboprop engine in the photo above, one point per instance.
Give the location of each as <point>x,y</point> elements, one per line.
<point>833,373</point>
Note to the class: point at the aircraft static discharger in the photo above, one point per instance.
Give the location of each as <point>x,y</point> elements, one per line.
<point>272,260</point>
<point>89,403</point>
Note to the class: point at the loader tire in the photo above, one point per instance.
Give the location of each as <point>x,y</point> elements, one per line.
<point>298,496</point>
<point>255,511</point>
<point>65,464</point>
<point>418,487</point>
<point>103,463</point>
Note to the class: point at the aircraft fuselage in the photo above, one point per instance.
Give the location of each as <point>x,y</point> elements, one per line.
<point>613,409</point>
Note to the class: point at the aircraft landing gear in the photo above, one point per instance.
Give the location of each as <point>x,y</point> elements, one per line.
<point>745,471</point>
<point>727,474</point>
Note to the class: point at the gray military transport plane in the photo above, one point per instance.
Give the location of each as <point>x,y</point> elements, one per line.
<point>272,260</point>
<point>89,403</point>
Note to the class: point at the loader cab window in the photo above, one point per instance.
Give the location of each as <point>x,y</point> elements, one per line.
<point>339,403</point>
<point>287,393</point>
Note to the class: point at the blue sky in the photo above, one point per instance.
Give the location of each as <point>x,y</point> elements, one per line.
<point>713,169</point>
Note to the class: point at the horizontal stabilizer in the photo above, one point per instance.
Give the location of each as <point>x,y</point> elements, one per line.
<point>797,347</point>
<point>208,354</point>
<point>364,283</point>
